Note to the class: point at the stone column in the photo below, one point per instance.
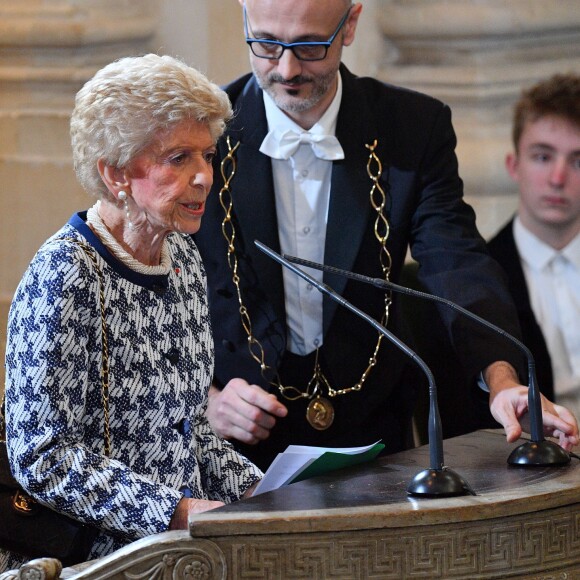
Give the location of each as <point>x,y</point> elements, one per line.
<point>477,55</point>
<point>48,49</point>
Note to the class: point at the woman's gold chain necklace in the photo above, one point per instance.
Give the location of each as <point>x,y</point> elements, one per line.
<point>320,412</point>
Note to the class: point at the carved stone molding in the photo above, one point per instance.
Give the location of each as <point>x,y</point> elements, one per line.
<point>48,49</point>
<point>484,549</point>
<point>170,559</point>
<point>168,556</point>
<point>479,51</point>
<point>515,547</point>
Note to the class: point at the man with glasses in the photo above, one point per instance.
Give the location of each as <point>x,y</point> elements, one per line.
<point>348,171</point>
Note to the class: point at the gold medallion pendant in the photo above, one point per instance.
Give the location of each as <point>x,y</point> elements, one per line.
<point>320,413</point>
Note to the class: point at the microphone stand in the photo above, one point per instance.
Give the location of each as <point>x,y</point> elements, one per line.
<point>438,480</point>
<point>535,453</point>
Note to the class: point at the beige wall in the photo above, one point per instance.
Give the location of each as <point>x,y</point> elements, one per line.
<point>206,34</point>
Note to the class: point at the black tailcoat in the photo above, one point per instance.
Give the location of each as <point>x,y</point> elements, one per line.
<point>426,212</point>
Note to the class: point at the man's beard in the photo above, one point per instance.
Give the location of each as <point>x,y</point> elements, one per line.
<point>286,99</point>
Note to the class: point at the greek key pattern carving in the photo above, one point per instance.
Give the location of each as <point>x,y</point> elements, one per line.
<point>547,541</point>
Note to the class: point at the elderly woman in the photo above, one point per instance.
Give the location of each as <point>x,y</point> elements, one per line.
<point>143,137</point>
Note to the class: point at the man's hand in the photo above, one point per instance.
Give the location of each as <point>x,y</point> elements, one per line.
<point>186,506</point>
<point>509,407</point>
<point>244,412</point>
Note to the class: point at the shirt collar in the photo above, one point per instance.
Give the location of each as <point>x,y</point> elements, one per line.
<point>538,254</point>
<point>572,252</point>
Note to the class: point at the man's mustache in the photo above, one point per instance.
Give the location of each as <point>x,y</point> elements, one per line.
<point>297,80</point>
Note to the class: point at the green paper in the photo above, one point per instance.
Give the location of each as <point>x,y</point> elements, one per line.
<point>329,461</point>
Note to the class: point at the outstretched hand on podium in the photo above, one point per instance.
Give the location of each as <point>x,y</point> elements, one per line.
<point>509,407</point>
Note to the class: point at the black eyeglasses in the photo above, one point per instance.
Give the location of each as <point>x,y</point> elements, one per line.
<point>274,49</point>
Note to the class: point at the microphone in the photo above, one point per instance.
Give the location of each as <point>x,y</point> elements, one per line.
<point>538,452</point>
<point>438,480</point>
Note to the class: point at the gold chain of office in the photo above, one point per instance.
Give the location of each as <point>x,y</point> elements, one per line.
<point>320,412</point>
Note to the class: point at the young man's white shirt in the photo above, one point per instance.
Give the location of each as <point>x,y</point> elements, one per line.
<point>553,280</point>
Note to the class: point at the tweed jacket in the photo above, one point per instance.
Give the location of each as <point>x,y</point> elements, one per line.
<point>160,364</point>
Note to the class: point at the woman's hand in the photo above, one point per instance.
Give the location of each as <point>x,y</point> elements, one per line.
<point>186,506</point>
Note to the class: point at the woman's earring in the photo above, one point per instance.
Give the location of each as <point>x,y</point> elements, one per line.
<point>123,198</point>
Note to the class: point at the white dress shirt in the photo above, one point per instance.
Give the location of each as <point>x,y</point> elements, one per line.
<point>302,192</point>
<point>553,280</point>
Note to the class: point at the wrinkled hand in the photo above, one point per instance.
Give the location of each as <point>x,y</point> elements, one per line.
<point>244,412</point>
<point>186,506</point>
<point>509,407</point>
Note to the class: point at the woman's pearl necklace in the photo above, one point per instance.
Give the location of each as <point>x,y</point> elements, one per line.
<point>99,227</point>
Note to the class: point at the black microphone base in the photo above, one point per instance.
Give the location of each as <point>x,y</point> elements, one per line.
<point>438,483</point>
<point>539,454</point>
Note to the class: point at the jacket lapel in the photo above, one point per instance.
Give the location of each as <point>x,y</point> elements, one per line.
<point>350,212</point>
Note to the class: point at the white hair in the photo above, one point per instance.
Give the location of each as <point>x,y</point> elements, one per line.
<point>128,102</point>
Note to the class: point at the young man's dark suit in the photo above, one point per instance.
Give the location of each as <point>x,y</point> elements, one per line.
<point>415,144</point>
<point>503,248</point>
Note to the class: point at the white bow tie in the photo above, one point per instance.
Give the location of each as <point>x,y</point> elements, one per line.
<point>284,145</point>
